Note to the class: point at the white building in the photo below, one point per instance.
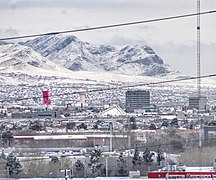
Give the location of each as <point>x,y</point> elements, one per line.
<point>112,111</point>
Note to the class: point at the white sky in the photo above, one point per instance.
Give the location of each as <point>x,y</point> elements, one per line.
<point>174,40</point>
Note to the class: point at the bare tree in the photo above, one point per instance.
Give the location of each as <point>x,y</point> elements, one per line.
<point>13,165</point>
<point>198,156</point>
<point>7,137</point>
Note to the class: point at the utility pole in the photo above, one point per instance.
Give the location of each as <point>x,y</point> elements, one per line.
<point>129,134</point>
<point>107,172</point>
<point>8,172</point>
<point>111,134</point>
<point>199,83</point>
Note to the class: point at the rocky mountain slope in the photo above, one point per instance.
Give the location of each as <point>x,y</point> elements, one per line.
<point>76,55</point>
<point>14,57</point>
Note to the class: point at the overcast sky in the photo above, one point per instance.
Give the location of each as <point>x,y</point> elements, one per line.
<point>174,40</point>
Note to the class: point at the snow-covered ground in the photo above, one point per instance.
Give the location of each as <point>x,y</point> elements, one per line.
<point>96,178</point>
<point>108,178</point>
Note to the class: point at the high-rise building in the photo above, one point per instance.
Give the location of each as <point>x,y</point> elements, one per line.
<point>199,103</point>
<point>137,99</point>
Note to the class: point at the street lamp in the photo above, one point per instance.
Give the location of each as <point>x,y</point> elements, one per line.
<point>85,169</point>
<point>85,166</point>
<point>72,168</point>
<point>111,134</point>
<point>106,164</point>
<point>107,173</point>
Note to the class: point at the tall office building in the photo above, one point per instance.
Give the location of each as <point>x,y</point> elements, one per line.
<point>137,99</point>
<point>198,102</point>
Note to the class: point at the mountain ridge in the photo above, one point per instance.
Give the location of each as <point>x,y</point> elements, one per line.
<point>23,58</point>
<point>76,55</point>
<point>22,65</point>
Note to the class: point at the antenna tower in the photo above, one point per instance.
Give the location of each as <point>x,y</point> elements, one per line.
<point>199,79</point>
<point>198,50</point>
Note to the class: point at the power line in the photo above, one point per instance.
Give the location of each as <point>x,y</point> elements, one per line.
<point>109,26</point>
<point>113,88</point>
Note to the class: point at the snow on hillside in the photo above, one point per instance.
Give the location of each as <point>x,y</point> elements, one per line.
<point>21,64</point>
<point>17,57</point>
<point>138,60</point>
<point>14,57</point>
<point>76,55</point>
<point>68,52</point>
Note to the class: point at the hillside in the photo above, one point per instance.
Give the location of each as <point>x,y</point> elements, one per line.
<point>76,55</point>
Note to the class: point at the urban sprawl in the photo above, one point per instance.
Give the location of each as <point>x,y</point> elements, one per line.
<point>90,129</point>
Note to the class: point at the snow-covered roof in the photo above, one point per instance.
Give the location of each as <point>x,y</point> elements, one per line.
<point>114,110</point>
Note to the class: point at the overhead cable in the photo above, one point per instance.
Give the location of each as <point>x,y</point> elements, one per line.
<point>112,88</point>
<point>108,26</point>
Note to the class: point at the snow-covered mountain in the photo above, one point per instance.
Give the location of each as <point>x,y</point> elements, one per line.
<point>21,64</point>
<point>76,55</point>
<point>4,43</point>
<point>14,57</point>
